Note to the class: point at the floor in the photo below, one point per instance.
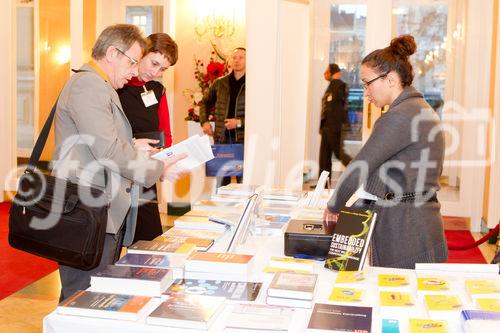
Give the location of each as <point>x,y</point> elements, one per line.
<point>23,311</point>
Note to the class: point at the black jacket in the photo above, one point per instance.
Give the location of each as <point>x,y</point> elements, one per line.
<point>334,107</point>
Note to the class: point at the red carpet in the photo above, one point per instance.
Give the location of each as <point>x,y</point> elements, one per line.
<point>18,269</point>
<point>471,256</point>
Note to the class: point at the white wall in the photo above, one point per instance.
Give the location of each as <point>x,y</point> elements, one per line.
<point>276,91</point>
<point>7,87</point>
<point>493,211</point>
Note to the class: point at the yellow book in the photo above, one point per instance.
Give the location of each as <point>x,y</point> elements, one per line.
<point>428,326</point>
<point>481,287</point>
<point>488,304</point>
<point>395,298</point>
<point>269,269</point>
<point>346,295</point>
<point>289,264</point>
<point>442,302</point>
<point>392,280</point>
<point>432,284</point>
<point>350,277</point>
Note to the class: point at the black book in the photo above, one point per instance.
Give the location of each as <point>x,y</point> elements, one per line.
<point>350,240</point>
<point>154,135</point>
<point>331,317</point>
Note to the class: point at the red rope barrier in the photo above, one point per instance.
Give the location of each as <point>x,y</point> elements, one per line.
<point>471,245</point>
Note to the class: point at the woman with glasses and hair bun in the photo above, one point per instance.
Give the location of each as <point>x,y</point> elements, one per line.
<point>396,173</point>
<point>145,105</point>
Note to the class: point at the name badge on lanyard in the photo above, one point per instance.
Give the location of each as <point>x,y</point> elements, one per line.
<point>148,97</point>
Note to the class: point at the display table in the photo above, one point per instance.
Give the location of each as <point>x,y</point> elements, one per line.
<point>263,248</point>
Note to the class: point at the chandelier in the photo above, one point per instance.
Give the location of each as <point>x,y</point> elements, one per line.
<point>214,19</point>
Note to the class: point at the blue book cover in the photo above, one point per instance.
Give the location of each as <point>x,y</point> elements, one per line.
<point>390,326</point>
<point>480,315</point>
<point>144,260</point>
<point>341,318</point>
<point>233,290</point>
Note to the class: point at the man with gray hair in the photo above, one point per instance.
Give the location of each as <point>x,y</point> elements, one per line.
<point>103,154</point>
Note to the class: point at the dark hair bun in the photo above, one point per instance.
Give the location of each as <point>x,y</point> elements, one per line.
<point>403,46</point>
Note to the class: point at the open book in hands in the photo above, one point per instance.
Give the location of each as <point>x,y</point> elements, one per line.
<point>196,147</point>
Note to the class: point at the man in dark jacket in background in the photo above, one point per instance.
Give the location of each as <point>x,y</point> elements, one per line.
<point>333,115</point>
<point>227,96</point>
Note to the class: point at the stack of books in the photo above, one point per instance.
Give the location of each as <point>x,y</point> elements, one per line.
<point>346,295</point>
<point>106,305</point>
<point>421,325</point>
<point>351,279</point>
<point>340,318</point>
<point>175,264</point>
<point>131,280</point>
<point>230,198</point>
<point>187,311</point>
<point>231,290</point>
<point>272,207</point>
<point>192,233</point>
<point>280,194</point>
<point>259,318</point>
<point>432,285</point>
<point>171,250</point>
<point>218,266</point>
<point>218,206</point>
<point>292,289</point>
<point>270,225</point>
<point>238,189</point>
<point>289,264</point>
<point>200,223</point>
<point>201,244</point>
<point>482,289</point>
<point>396,303</point>
<point>476,321</point>
<point>446,307</point>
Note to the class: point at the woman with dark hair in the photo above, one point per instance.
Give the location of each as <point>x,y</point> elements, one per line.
<point>397,171</point>
<point>145,105</point>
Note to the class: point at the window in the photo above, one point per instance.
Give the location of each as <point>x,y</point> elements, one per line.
<point>347,46</point>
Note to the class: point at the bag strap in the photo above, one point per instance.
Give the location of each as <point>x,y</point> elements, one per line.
<point>44,134</point>
<point>41,141</point>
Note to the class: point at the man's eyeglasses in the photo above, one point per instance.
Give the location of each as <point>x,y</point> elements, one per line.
<point>367,83</point>
<point>133,62</point>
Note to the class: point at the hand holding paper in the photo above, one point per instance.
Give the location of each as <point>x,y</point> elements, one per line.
<point>197,149</point>
<point>171,169</point>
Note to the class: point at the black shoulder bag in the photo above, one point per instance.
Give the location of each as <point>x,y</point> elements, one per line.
<point>48,217</point>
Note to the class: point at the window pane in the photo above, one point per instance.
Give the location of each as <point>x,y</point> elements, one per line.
<point>148,18</point>
<point>428,24</point>
<point>25,78</point>
<point>347,45</point>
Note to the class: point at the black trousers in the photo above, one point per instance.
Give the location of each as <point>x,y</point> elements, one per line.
<point>74,279</point>
<point>148,224</point>
<point>331,143</point>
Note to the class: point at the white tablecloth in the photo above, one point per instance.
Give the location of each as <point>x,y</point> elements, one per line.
<point>263,248</point>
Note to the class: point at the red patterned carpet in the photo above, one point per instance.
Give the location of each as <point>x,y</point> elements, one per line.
<point>17,269</point>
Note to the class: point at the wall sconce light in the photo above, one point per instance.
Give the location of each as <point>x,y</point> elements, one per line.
<point>63,55</point>
<point>214,18</point>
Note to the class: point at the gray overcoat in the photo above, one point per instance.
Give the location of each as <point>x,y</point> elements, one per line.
<point>404,154</point>
<point>89,110</point>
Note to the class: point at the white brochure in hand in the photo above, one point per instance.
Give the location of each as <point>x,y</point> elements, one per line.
<point>197,148</point>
